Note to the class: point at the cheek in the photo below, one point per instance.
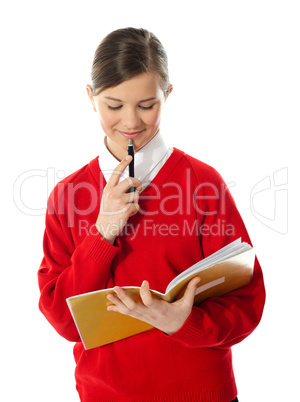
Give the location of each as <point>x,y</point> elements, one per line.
<point>152,119</point>
<point>108,119</point>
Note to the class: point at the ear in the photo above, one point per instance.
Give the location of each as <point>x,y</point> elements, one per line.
<point>169,91</point>
<point>91,97</point>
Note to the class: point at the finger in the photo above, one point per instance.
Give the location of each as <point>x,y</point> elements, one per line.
<point>115,177</point>
<point>125,184</point>
<point>131,197</point>
<point>125,300</point>
<point>134,208</point>
<point>114,300</point>
<point>120,307</point>
<point>117,305</point>
<point>146,294</point>
<point>190,291</point>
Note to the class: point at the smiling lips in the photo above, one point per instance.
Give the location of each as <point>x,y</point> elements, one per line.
<point>131,135</point>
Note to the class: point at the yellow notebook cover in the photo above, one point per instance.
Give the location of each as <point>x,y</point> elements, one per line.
<point>224,271</point>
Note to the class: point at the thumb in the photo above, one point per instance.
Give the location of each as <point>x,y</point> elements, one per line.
<point>190,291</point>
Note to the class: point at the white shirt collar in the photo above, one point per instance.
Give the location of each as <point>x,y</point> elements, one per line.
<point>145,160</point>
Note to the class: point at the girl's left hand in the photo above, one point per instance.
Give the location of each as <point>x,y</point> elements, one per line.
<point>168,317</point>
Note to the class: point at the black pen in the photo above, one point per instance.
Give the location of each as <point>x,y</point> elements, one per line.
<point>130,150</point>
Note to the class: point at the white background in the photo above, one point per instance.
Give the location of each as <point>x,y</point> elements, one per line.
<point>235,105</point>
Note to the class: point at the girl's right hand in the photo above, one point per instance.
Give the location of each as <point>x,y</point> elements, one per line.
<point>117,205</point>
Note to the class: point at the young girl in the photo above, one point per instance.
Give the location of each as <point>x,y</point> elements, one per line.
<point>98,235</point>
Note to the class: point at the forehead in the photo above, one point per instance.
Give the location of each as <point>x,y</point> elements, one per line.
<point>143,86</point>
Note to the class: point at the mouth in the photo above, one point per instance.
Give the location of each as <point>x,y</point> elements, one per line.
<point>130,134</point>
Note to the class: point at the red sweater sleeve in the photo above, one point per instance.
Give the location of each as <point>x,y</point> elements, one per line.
<point>67,270</point>
<point>221,322</point>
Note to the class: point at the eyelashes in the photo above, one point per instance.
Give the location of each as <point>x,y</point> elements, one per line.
<point>141,107</point>
<point>114,108</point>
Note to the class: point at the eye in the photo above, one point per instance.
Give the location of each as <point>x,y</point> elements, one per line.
<point>119,107</point>
<point>146,107</point>
<point>114,107</point>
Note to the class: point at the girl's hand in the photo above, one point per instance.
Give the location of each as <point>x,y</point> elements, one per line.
<point>168,317</point>
<point>117,205</point>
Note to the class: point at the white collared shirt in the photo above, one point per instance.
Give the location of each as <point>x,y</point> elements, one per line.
<point>147,161</point>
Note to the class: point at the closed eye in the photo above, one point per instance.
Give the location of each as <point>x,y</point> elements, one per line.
<point>141,107</point>
<point>114,107</point>
<point>146,107</point>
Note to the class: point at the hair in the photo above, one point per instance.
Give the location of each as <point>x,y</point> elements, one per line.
<point>126,53</point>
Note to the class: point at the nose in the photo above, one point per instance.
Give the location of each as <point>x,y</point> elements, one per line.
<point>131,119</point>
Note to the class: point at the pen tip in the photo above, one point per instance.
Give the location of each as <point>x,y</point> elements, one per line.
<point>130,141</point>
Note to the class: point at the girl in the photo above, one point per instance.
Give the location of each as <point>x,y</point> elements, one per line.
<point>98,235</point>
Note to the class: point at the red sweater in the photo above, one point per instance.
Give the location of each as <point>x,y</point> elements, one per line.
<point>186,213</point>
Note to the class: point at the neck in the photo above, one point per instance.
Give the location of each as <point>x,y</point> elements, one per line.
<point>118,152</point>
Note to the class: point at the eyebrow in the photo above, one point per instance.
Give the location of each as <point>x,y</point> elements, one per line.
<point>119,100</point>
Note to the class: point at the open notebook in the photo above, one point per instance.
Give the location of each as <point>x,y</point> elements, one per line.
<point>224,271</point>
